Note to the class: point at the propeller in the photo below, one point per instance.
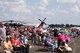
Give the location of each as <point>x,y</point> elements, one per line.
<point>44,19</point>
<point>45,23</point>
<point>40,20</point>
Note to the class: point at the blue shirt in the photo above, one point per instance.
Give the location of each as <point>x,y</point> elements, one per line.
<point>22,40</point>
<point>47,41</point>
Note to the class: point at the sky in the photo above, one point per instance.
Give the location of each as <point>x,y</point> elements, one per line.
<point>29,11</point>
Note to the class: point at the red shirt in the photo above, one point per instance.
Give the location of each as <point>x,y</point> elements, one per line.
<point>15,42</point>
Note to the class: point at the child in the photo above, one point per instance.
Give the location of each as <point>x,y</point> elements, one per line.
<point>55,44</point>
<point>0,40</point>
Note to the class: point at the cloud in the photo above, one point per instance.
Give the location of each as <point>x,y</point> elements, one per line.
<point>43,4</point>
<point>61,11</point>
<point>18,6</point>
<point>66,1</point>
<point>75,9</point>
<point>21,1</point>
<point>21,10</point>
<point>78,1</point>
<point>47,13</point>
<point>52,10</point>
<point>41,8</point>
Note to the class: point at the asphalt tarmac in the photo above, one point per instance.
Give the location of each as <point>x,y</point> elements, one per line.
<point>74,44</point>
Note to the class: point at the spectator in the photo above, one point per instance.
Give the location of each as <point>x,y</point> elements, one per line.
<point>0,40</point>
<point>48,43</point>
<point>7,45</point>
<point>24,44</point>
<point>2,31</point>
<point>16,44</point>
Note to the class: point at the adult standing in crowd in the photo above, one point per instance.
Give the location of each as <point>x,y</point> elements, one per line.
<point>33,35</point>
<point>2,31</point>
<point>55,32</point>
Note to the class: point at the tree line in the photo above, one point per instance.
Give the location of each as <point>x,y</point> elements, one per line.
<point>63,25</point>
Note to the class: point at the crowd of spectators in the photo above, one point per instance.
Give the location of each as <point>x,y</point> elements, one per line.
<point>16,38</point>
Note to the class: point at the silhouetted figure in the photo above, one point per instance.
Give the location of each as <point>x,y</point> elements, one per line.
<point>55,33</point>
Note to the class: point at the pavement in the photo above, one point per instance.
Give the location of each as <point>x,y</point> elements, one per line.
<point>38,49</point>
<point>74,44</point>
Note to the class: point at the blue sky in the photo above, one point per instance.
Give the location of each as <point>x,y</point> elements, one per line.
<point>29,11</point>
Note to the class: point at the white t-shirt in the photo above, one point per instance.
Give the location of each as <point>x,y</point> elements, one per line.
<point>26,41</point>
<point>3,32</point>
